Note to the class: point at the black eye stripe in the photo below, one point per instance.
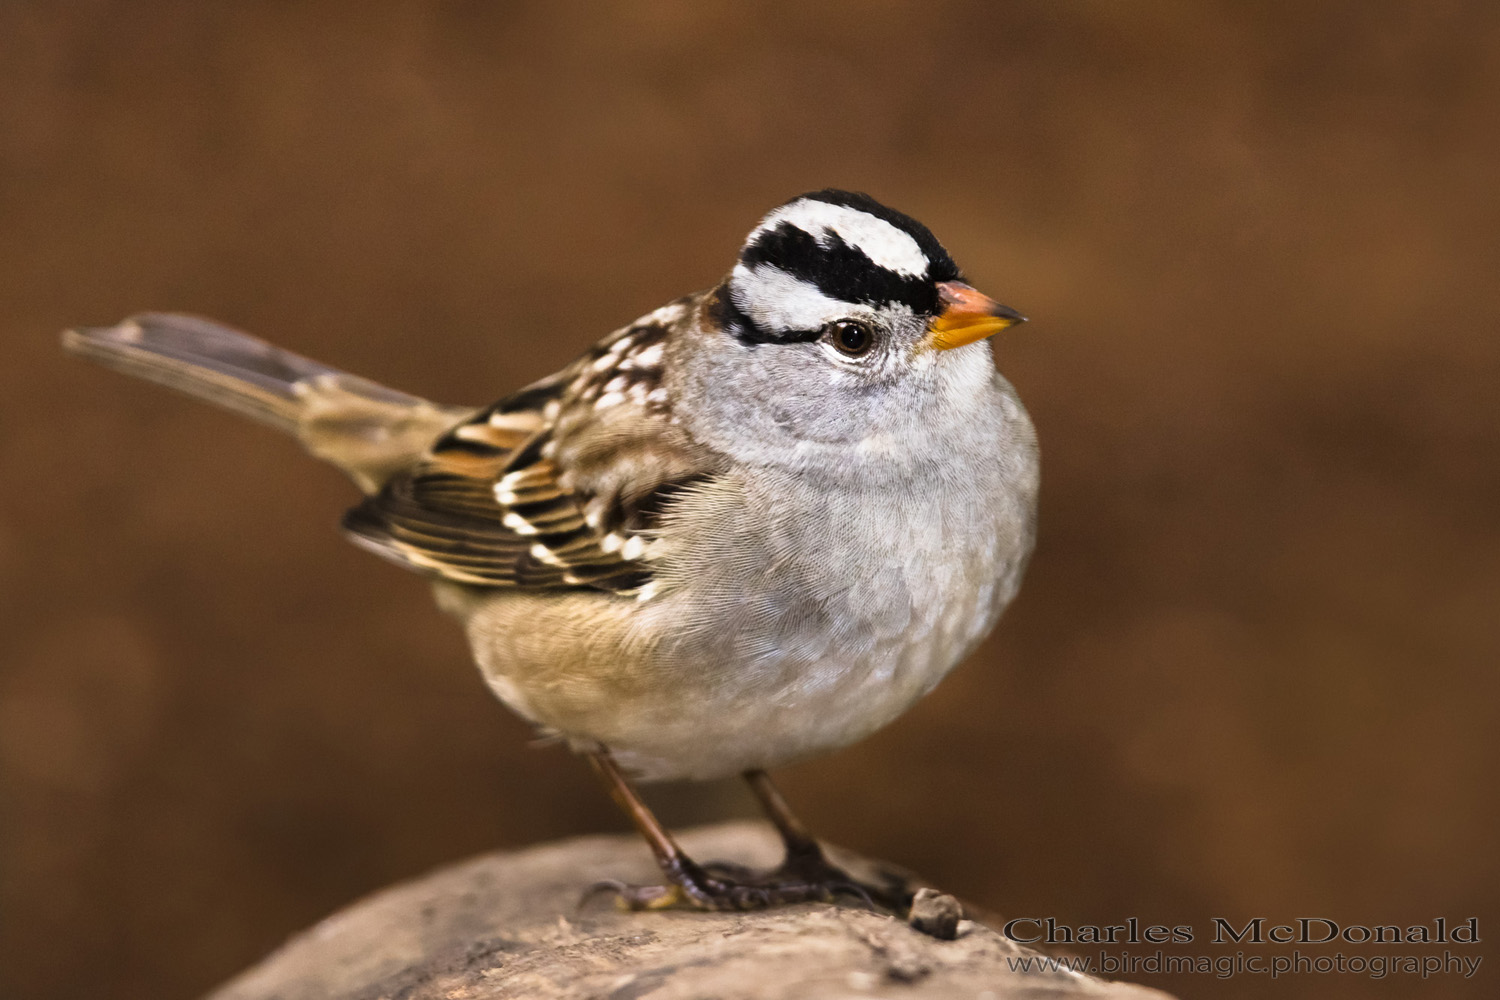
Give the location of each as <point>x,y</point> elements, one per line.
<point>837,269</point>
<point>731,318</point>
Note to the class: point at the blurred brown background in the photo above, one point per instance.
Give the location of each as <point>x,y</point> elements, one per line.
<point>1253,670</point>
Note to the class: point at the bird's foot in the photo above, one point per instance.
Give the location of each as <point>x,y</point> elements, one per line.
<point>721,885</point>
<point>807,863</point>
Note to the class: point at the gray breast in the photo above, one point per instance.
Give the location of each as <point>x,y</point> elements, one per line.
<point>790,573</point>
<point>792,612</point>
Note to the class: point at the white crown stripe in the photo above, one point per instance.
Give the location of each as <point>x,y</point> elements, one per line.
<point>885,244</point>
<point>778,300</point>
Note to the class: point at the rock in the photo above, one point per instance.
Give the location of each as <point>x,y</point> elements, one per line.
<point>936,914</point>
<point>510,925</point>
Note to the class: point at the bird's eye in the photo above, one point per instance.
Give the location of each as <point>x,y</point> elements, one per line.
<point>849,337</point>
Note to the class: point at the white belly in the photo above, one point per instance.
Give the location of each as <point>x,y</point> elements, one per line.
<point>786,708</point>
<point>760,650</point>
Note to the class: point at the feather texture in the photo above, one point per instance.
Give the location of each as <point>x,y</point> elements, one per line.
<point>366,429</point>
<point>541,490</point>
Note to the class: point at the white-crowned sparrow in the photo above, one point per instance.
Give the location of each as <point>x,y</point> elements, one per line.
<point>753,526</point>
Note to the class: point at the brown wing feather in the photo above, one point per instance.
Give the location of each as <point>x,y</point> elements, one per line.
<point>519,495</point>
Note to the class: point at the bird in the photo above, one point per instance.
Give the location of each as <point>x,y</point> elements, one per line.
<point>751,527</point>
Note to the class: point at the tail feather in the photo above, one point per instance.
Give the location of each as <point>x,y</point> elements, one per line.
<point>203,359</point>
<point>366,429</point>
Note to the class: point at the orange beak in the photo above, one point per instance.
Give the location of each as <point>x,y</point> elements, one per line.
<point>967,315</point>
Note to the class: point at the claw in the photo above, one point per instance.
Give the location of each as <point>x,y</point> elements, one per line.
<point>852,888</point>
<point>602,886</point>
<point>634,897</point>
<point>721,886</point>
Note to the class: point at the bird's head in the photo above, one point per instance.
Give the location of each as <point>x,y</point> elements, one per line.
<point>840,267</point>
<point>844,319</point>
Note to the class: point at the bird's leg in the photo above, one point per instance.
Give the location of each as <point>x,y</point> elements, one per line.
<point>674,862</point>
<point>689,882</point>
<point>801,847</point>
<point>805,861</point>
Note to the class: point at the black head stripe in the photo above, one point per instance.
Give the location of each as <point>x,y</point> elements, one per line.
<point>730,317</point>
<point>941,266</point>
<point>837,269</point>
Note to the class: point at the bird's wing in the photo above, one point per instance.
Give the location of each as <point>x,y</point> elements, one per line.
<point>558,486</point>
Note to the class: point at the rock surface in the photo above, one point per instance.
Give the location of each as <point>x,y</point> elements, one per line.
<point>510,925</point>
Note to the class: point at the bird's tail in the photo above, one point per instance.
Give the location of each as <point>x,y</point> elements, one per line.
<point>366,429</point>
